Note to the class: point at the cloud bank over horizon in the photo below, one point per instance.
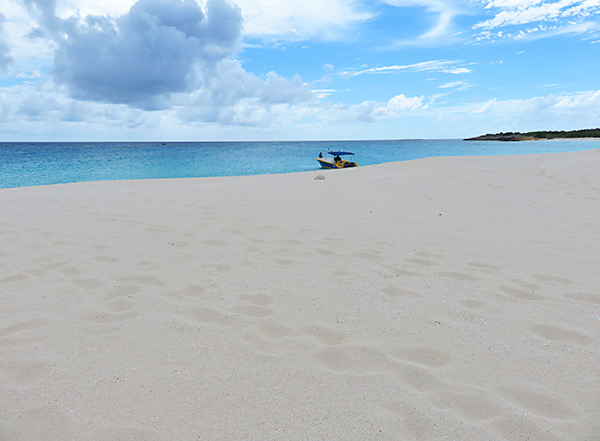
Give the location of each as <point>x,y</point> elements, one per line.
<point>5,58</point>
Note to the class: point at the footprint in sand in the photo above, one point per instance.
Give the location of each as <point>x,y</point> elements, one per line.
<point>399,272</point>
<point>23,372</point>
<point>525,284</point>
<point>286,262</point>
<point>122,291</point>
<point>89,283</point>
<point>517,293</point>
<point>327,336</point>
<point>113,312</point>
<point>252,311</point>
<point>428,254</point>
<point>71,271</point>
<point>23,333</point>
<point>560,334</point>
<point>258,299</point>
<point>324,251</point>
<point>417,377</point>
<point>221,268</point>
<point>142,279</point>
<point>102,258</point>
<point>535,402</point>
<point>473,304</point>
<point>421,262</point>
<point>13,278</point>
<point>120,305</point>
<point>234,231</point>
<point>455,275</point>
<point>289,241</point>
<point>147,263</point>
<point>553,279</point>
<point>369,255</point>
<point>585,297</point>
<point>273,330</point>
<point>61,243</point>
<point>215,243</point>
<point>473,405</point>
<point>396,291</point>
<point>23,326</point>
<point>509,424</point>
<point>415,423</point>
<point>206,316</point>
<point>258,307</point>
<point>355,359</point>
<point>486,267</point>
<point>193,290</point>
<point>55,265</point>
<point>48,234</point>
<point>270,339</point>
<point>425,356</point>
<point>108,317</point>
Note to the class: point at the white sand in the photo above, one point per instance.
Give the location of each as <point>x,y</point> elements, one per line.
<point>437,299</point>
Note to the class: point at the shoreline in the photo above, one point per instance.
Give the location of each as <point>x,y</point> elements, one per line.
<point>444,297</point>
<point>317,170</point>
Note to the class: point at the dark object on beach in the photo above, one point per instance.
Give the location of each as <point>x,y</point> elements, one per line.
<point>532,136</point>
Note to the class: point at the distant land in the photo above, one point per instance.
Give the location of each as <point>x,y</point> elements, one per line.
<point>532,136</point>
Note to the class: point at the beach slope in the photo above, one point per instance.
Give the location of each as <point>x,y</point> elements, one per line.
<point>436,299</point>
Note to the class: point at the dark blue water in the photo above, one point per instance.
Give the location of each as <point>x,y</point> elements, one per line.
<point>26,164</point>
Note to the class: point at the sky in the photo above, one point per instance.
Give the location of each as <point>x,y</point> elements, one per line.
<point>268,70</point>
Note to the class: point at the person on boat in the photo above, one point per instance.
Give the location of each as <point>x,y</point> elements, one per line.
<point>320,154</point>
<point>337,158</point>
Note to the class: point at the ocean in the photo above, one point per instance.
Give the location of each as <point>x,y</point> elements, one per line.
<point>28,164</point>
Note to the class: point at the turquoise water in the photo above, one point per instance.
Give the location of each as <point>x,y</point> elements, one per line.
<point>26,164</point>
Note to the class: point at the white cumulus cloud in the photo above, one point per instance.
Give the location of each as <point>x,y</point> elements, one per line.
<point>513,12</point>
<point>451,85</point>
<point>300,19</point>
<point>445,11</point>
<point>5,57</point>
<point>162,54</point>
<point>444,66</point>
<point>551,112</point>
<point>396,107</point>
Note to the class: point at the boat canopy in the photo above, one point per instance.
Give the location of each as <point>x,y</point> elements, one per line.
<point>340,153</point>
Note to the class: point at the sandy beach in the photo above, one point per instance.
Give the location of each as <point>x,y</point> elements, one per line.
<point>436,299</point>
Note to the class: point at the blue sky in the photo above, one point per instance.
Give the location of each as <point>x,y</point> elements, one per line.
<point>112,70</point>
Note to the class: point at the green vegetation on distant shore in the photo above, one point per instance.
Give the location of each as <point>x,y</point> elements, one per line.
<point>530,136</point>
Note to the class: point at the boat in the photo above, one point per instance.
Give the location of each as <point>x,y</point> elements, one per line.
<point>337,161</point>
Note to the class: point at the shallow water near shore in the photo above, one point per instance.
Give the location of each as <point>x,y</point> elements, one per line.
<point>29,164</point>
